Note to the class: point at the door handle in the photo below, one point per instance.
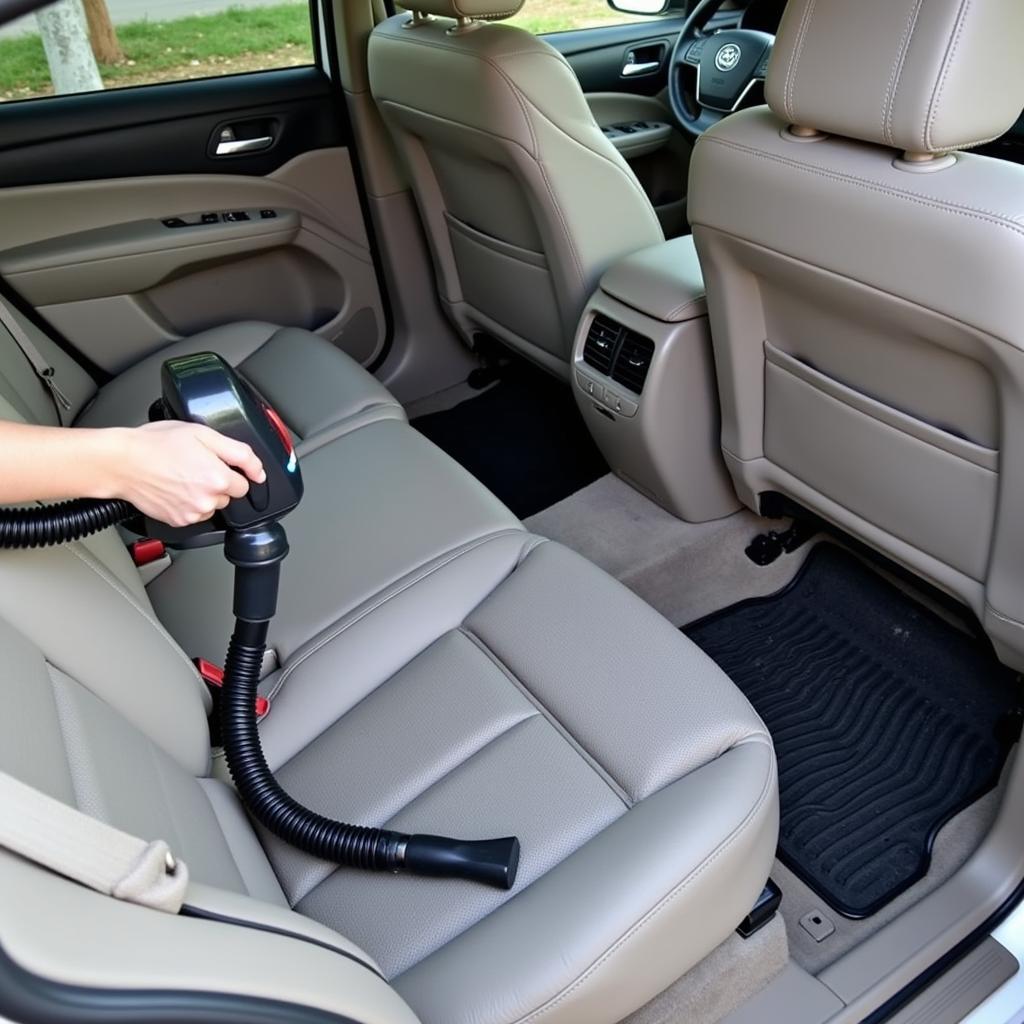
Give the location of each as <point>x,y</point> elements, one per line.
<point>259,136</point>
<point>231,147</point>
<point>645,67</point>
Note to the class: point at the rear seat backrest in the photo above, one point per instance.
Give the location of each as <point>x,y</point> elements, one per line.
<point>84,604</point>
<point>93,626</point>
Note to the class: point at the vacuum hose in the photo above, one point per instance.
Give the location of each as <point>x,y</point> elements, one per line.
<point>257,555</point>
<point>59,524</point>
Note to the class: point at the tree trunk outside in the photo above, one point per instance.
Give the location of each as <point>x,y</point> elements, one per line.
<point>102,34</point>
<point>65,36</point>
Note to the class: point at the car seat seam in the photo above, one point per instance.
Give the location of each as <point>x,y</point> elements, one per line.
<point>395,589</point>
<point>59,713</point>
<point>790,91</point>
<point>622,168</point>
<point>111,581</point>
<point>932,113</point>
<point>896,75</point>
<point>461,51</point>
<point>606,776</point>
<point>976,213</point>
<point>666,900</point>
<point>171,816</point>
<point>690,303</point>
<point>386,823</point>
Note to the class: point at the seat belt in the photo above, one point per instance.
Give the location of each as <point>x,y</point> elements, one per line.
<point>63,839</point>
<point>43,370</point>
<point>105,859</point>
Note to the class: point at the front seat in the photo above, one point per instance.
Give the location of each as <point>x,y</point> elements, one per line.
<point>524,200</point>
<point>864,285</point>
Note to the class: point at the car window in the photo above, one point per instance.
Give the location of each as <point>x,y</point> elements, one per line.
<point>87,45</point>
<point>543,16</point>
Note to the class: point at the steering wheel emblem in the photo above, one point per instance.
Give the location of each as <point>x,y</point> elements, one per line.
<point>728,57</point>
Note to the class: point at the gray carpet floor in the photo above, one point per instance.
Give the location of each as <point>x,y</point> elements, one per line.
<point>685,570</point>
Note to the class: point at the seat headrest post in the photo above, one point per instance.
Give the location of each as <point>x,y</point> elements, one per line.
<point>918,76</point>
<point>417,19</point>
<point>463,26</point>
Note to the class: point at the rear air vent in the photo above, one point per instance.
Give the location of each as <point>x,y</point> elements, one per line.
<point>633,361</point>
<point>602,340</point>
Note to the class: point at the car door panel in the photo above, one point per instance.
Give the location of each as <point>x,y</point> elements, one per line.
<point>90,186</point>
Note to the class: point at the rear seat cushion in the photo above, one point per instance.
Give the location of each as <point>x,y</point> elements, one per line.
<point>318,390</point>
<point>519,690</point>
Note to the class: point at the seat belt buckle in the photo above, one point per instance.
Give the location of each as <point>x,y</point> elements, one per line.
<point>213,676</point>
<point>147,551</point>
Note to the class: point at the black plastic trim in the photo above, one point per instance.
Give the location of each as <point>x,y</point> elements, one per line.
<point>208,915</point>
<point>11,9</point>
<point>31,999</point>
<point>166,128</point>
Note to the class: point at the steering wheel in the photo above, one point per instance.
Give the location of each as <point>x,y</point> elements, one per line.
<point>711,73</point>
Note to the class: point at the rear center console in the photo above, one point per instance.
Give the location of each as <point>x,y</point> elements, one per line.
<point>643,375</point>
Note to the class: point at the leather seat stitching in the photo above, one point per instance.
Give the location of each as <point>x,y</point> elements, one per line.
<point>976,213</point>
<point>933,108</point>
<point>896,75</point>
<point>426,789</point>
<point>396,590</point>
<point>669,897</point>
<point>791,71</point>
<point>491,14</point>
<point>59,713</point>
<point>690,303</point>
<point>534,152</point>
<point>462,52</point>
<point>539,163</point>
<point>111,581</point>
<point>622,167</point>
<point>609,779</point>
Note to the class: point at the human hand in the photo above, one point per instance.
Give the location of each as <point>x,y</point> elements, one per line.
<point>181,473</point>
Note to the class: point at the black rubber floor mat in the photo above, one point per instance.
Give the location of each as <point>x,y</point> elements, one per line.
<point>524,439</point>
<point>886,720</point>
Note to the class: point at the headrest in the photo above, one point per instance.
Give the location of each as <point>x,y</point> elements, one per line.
<point>926,76</point>
<point>486,10</point>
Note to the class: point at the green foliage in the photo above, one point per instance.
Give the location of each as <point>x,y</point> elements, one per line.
<point>195,46</point>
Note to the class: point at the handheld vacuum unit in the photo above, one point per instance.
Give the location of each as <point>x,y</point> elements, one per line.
<point>202,388</point>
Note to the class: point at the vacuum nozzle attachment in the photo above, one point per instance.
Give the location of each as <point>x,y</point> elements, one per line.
<point>490,861</point>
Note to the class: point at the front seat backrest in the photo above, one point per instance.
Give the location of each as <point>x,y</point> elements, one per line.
<point>524,200</point>
<point>864,286</point>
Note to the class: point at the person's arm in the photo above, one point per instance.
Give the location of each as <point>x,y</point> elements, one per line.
<point>178,473</point>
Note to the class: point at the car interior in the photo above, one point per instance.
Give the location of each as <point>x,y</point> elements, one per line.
<point>654,386</point>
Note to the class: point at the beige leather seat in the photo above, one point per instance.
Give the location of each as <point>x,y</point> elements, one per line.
<point>864,284</point>
<point>457,675</point>
<point>524,201</point>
